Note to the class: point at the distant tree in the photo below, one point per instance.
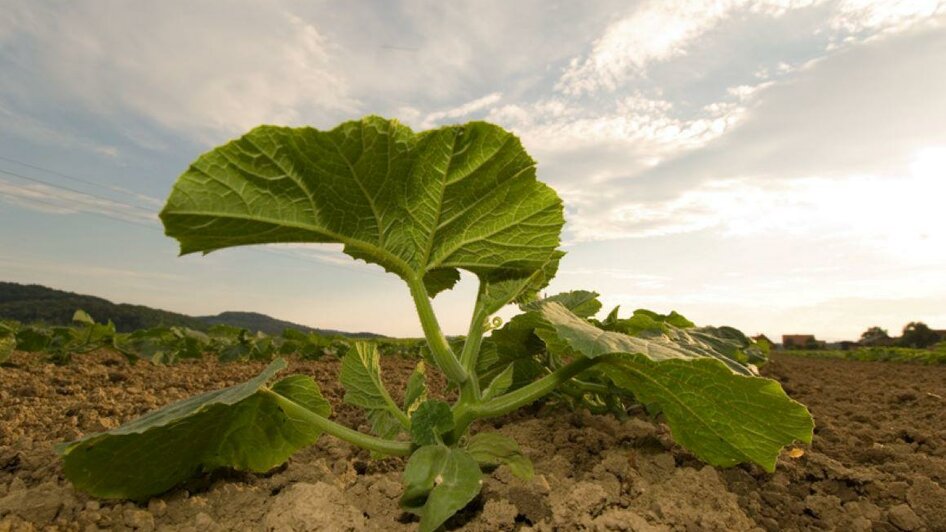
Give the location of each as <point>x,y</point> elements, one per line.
<point>875,336</point>
<point>918,334</point>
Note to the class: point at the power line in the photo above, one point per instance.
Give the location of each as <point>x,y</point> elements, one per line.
<point>76,191</point>
<point>98,213</point>
<point>120,190</point>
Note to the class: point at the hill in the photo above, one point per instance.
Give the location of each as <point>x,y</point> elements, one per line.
<point>255,321</point>
<point>37,303</point>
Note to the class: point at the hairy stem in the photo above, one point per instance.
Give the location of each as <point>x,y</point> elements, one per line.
<point>366,441</point>
<point>442,353</point>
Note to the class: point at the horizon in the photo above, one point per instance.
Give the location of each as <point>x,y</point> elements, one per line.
<point>893,333</point>
<point>776,167</point>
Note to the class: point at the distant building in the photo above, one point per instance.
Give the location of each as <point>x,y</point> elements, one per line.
<point>801,341</point>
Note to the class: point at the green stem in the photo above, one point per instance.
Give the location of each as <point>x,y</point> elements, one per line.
<point>366,441</point>
<point>535,390</point>
<point>592,387</point>
<point>439,347</point>
<point>466,414</point>
<point>394,409</point>
<point>471,347</point>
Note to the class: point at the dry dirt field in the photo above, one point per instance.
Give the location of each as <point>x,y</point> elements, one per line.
<point>878,461</point>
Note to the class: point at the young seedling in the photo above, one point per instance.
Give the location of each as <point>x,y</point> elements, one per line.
<point>423,206</point>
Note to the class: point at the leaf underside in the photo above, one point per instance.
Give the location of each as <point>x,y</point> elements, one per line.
<point>240,427</point>
<point>421,205</point>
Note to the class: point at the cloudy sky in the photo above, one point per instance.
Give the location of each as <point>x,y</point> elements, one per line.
<point>777,165</point>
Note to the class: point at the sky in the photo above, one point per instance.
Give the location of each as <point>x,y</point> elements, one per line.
<point>775,165</point>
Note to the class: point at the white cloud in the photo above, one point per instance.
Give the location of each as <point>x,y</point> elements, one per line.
<point>462,110</point>
<point>196,68</point>
<point>655,31</point>
<point>30,267</point>
<point>557,125</point>
<point>887,16</point>
<point>900,216</point>
<point>30,128</point>
<point>626,277</point>
<point>661,30</point>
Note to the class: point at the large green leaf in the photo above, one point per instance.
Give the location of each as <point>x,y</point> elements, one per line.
<point>361,377</point>
<point>438,482</point>
<point>675,344</point>
<point>421,205</point>
<point>241,427</point>
<point>722,415</point>
<point>723,418</point>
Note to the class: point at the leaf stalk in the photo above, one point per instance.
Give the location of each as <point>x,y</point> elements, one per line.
<point>437,342</point>
<point>366,441</point>
<point>467,413</point>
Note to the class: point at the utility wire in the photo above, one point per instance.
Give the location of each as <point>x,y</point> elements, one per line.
<point>120,190</point>
<point>70,189</point>
<point>97,213</point>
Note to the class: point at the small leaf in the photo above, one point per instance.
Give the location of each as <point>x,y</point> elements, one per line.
<point>82,317</point>
<point>432,419</point>
<point>241,427</point>
<point>7,343</point>
<point>439,482</point>
<point>32,339</point>
<point>494,449</point>
<point>416,391</point>
<point>583,303</point>
<point>361,377</point>
<point>499,384</point>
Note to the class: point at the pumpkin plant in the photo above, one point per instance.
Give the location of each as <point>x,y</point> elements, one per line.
<point>424,206</point>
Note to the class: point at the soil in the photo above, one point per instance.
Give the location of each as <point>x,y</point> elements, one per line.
<point>878,461</point>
